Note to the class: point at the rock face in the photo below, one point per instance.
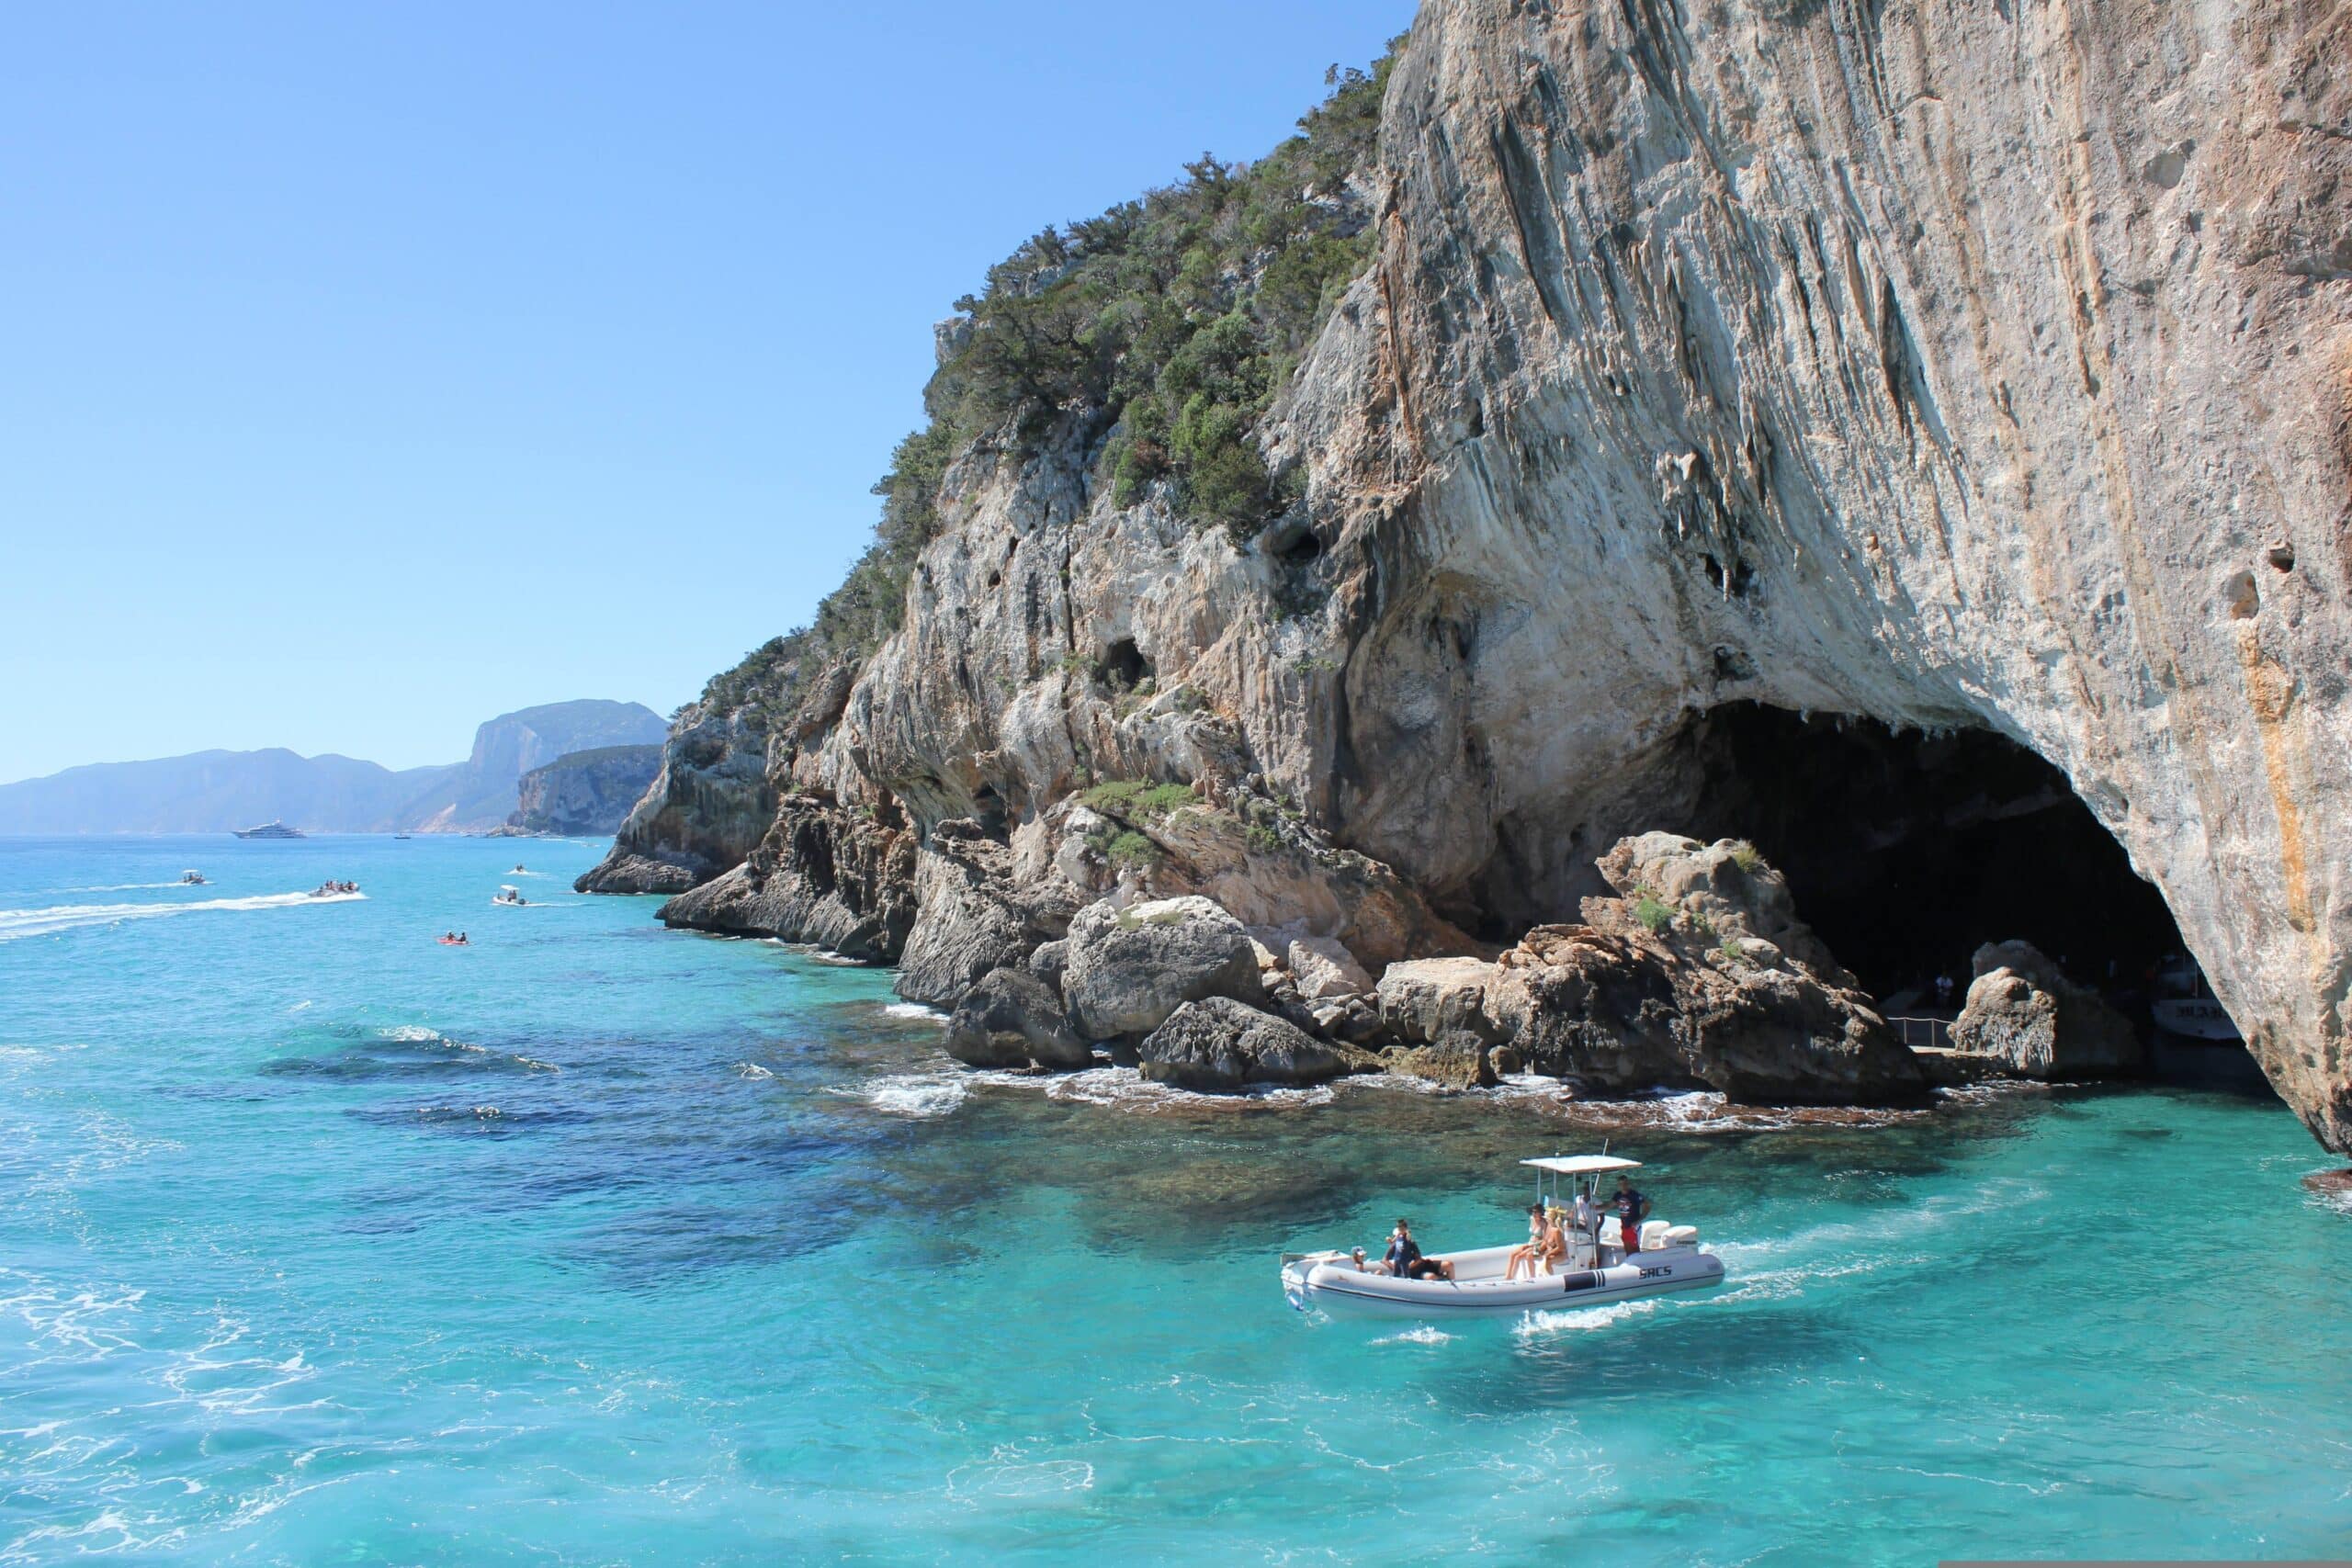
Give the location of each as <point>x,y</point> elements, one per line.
<point>584,791</point>
<point>1130,968</point>
<point>973,916</point>
<point>2040,1024</point>
<point>820,875</point>
<point>1221,1046</point>
<point>707,807</point>
<point>1012,1020</point>
<point>1960,370</point>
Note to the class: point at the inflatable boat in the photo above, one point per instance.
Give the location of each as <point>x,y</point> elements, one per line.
<point>1595,1271</point>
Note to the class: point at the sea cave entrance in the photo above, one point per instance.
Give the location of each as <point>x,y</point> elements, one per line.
<point>1907,851</point>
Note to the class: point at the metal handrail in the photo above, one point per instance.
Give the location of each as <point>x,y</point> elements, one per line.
<point>1924,1033</point>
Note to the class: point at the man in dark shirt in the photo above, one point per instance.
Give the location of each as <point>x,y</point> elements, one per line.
<point>1630,1206</point>
<point>1405,1259</point>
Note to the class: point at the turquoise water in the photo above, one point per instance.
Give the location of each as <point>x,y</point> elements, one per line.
<point>599,1243</point>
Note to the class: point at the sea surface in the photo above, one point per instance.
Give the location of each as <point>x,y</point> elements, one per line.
<point>593,1242</point>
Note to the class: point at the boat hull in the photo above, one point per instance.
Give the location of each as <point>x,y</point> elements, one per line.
<point>1335,1287</point>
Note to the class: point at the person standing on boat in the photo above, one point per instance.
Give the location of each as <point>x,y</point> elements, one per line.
<point>1588,1223</point>
<point>1631,1207</point>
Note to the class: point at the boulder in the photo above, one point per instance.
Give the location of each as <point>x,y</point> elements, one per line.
<point>1423,999</point>
<point>1324,971</point>
<point>1130,968</point>
<point>1675,986</point>
<point>1049,962</point>
<point>1218,1045</point>
<point>1010,1020</point>
<point>2039,1024</point>
<point>1460,1060</point>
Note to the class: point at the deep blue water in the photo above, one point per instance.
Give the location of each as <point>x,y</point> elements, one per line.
<point>599,1243</point>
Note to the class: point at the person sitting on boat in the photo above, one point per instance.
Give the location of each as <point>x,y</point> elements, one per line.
<point>1364,1267</point>
<point>1632,1209</point>
<point>1524,1256</point>
<point>1405,1259</point>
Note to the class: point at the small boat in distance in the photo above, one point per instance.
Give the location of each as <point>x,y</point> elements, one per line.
<point>1595,1270</point>
<point>508,894</point>
<point>403,835</point>
<point>2185,1005</point>
<point>192,879</point>
<point>269,830</point>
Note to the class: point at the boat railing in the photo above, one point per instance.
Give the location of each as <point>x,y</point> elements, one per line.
<point>1924,1033</point>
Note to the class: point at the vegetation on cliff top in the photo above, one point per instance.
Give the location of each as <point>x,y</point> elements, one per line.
<point>1169,323</point>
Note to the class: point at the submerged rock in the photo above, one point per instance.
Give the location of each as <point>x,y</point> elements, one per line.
<point>1220,1046</point>
<point>1130,968</point>
<point>1010,1019</point>
<point>2036,1024</point>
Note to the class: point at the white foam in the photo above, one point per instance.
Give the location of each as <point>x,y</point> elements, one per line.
<point>1583,1318</point>
<point>415,1034</point>
<point>1424,1335</point>
<point>18,923</point>
<point>127,887</point>
<point>914,1010</point>
<point>752,1070</point>
<point>921,1096</point>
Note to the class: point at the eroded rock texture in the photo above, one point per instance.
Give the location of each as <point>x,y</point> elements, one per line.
<point>1953,366</point>
<point>1960,367</point>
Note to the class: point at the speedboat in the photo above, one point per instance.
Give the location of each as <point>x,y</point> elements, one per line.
<point>1595,1270</point>
<point>191,879</point>
<point>508,894</point>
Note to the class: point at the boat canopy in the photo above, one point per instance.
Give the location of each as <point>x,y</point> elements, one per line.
<point>1582,1165</point>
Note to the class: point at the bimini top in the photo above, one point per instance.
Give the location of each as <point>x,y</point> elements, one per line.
<point>1582,1165</point>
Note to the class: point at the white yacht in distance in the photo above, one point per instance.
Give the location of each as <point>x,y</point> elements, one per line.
<point>270,830</point>
<point>1595,1270</point>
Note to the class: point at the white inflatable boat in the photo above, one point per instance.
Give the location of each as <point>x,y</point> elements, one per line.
<point>1595,1270</point>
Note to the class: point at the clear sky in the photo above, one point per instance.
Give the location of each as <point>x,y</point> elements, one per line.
<point>367,370</point>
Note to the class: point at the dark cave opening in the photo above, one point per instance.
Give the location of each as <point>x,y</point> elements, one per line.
<point>1124,665</point>
<point>1907,851</point>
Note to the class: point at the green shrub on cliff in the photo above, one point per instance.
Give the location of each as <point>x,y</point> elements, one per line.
<point>1135,800</point>
<point>1166,324</point>
<point>1172,321</point>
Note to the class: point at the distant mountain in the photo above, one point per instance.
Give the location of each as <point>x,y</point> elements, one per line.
<point>480,792</point>
<point>208,791</point>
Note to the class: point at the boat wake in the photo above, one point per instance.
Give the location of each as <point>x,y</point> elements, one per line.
<point>18,923</point>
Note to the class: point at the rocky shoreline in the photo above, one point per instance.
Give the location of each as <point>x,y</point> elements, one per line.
<point>1657,456</point>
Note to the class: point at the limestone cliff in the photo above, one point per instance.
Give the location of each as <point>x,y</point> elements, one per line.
<point>1955,369</point>
<point>584,791</point>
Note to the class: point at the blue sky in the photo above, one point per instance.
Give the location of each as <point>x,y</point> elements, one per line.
<point>368,370</point>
